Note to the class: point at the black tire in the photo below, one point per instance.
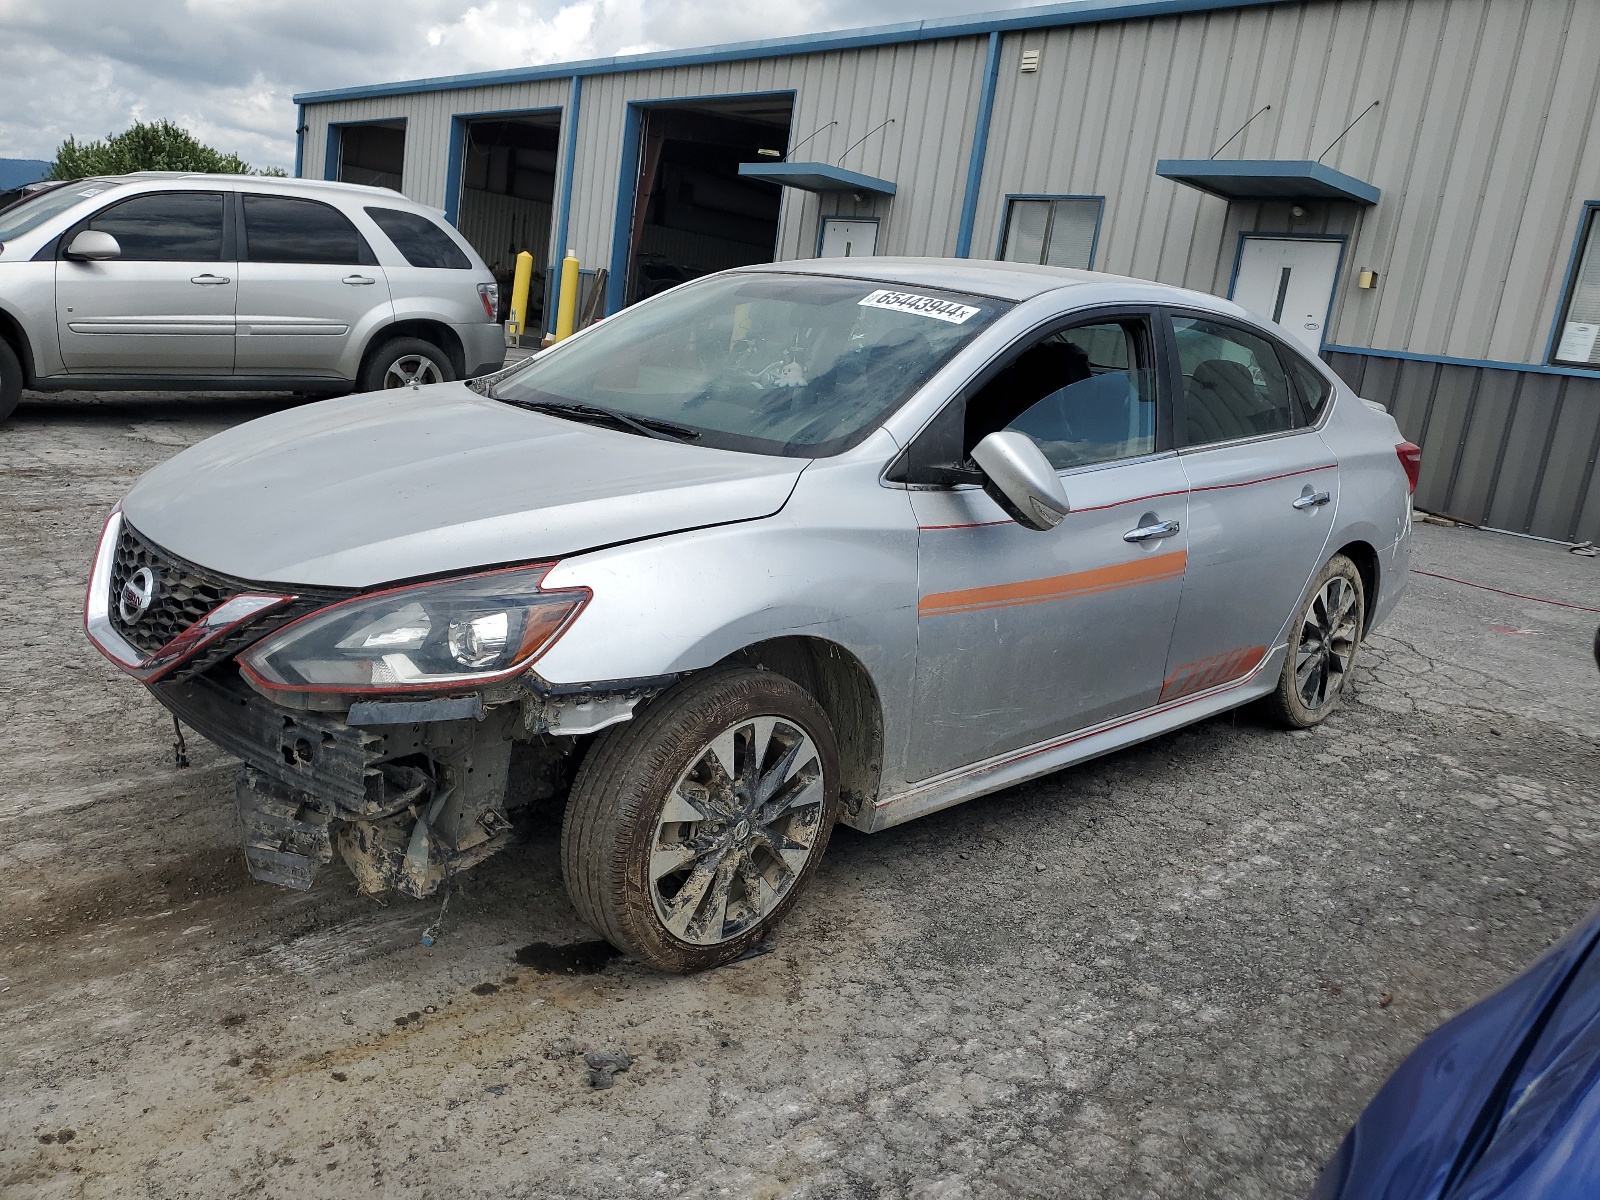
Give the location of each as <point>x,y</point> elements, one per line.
<point>10,380</point>
<point>1323,643</point>
<point>386,367</point>
<point>617,814</point>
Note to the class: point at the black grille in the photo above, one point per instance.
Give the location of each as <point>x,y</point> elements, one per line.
<point>184,593</point>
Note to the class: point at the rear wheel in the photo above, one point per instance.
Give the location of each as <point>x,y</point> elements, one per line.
<point>10,380</point>
<point>1323,644</point>
<point>403,361</point>
<point>691,830</point>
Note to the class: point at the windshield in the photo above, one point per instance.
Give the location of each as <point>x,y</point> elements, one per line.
<point>34,211</point>
<point>777,364</point>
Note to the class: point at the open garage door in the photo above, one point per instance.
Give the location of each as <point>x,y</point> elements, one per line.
<point>508,187</point>
<point>693,213</point>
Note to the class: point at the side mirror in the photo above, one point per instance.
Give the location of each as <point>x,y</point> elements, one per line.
<point>94,245</point>
<point>1020,479</point>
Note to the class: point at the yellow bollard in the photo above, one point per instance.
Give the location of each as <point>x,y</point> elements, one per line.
<point>519,294</point>
<point>567,309</point>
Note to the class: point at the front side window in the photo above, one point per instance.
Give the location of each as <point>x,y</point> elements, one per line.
<point>283,229</point>
<point>1578,334</point>
<point>796,365</point>
<point>1085,395</point>
<point>165,227</point>
<point>422,242</point>
<point>1054,232</point>
<point>1233,384</point>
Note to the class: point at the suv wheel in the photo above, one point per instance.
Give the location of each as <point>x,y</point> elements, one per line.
<point>10,380</point>
<point>402,361</point>
<point>1322,647</point>
<point>691,830</point>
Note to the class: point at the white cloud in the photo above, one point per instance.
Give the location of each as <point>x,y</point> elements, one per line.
<point>226,69</point>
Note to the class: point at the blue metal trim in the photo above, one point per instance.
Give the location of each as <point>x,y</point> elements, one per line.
<point>1075,12</point>
<point>1487,363</point>
<point>1338,270</point>
<point>815,177</point>
<point>330,157</point>
<point>1588,219</point>
<point>622,226</point>
<point>980,148</point>
<point>1005,218</point>
<point>824,218</point>
<point>564,222</point>
<point>299,138</point>
<point>453,166</point>
<point>1320,182</point>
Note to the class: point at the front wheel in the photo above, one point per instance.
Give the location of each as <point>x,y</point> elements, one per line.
<point>1323,643</point>
<point>691,830</point>
<point>404,361</point>
<point>11,380</point>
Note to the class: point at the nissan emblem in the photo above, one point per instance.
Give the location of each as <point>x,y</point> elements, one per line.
<point>137,593</point>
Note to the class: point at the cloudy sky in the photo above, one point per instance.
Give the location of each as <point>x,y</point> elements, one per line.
<point>227,68</point>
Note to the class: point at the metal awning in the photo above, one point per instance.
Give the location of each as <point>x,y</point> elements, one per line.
<point>1266,179</point>
<point>816,177</point>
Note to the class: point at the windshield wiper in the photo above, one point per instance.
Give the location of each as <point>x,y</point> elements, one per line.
<point>653,427</point>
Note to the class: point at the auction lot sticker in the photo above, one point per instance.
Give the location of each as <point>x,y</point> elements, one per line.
<point>924,306</point>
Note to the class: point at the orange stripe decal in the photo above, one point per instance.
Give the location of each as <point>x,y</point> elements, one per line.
<point>1057,587</point>
<point>1212,672</point>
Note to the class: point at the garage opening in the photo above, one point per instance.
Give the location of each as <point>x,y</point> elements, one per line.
<point>693,213</point>
<point>372,154</point>
<point>508,188</point>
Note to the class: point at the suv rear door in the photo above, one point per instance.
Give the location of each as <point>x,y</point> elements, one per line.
<point>310,289</point>
<point>166,305</point>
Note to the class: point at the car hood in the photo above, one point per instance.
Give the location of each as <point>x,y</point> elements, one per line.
<point>398,484</point>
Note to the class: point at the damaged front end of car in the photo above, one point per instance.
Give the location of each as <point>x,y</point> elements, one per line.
<point>400,727</point>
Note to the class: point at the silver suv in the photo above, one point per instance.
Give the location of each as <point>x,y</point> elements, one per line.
<point>225,282</point>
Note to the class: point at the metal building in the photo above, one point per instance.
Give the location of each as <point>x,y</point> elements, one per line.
<point>1410,187</point>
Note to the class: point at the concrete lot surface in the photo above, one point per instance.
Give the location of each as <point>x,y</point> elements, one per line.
<point>1178,971</point>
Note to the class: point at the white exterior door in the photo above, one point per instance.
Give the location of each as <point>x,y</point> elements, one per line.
<point>844,238</point>
<point>1289,281</point>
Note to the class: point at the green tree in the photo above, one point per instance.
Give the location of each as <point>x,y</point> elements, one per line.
<point>147,146</point>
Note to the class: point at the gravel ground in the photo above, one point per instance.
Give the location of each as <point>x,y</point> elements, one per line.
<point>1178,971</point>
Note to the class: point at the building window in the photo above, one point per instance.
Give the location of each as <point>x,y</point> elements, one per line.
<point>1578,333</point>
<point>1057,231</point>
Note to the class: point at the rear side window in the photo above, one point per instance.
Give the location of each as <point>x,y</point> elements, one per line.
<point>1309,385</point>
<point>422,242</point>
<point>282,229</point>
<point>165,227</point>
<point>1233,384</point>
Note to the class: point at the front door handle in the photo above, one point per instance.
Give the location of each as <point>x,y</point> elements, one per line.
<point>359,280</point>
<point>1312,499</point>
<point>209,280</point>
<point>1162,529</point>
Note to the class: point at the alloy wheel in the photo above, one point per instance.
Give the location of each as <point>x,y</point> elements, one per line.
<point>412,369</point>
<point>1327,644</point>
<point>736,830</point>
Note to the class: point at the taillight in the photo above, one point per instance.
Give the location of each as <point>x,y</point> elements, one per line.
<point>489,293</point>
<point>1410,456</point>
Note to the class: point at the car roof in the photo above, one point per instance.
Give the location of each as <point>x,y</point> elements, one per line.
<point>1002,280</point>
<point>284,181</point>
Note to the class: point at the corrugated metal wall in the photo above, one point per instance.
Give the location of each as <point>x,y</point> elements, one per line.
<point>1508,449</point>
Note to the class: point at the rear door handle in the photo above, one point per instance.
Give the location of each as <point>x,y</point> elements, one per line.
<point>1145,533</point>
<point>1312,500</point>
<point>359,280</point>
<point>209,280</point>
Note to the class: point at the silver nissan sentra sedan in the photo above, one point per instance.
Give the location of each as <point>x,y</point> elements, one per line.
<point>837,540</point>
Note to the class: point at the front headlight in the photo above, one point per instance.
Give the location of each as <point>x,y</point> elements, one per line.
<point>456,632</point>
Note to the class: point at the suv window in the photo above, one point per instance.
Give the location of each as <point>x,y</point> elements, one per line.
<point>1233,384</point>
<point>422,242</point>
<point>1085,394</point>
<point>165,227</point>
<point>1309,384</point>
<point>282,229</point>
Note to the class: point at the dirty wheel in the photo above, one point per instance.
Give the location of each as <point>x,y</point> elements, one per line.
<point>1322,647</point>
<point>10,380</point>
<point>692,829</point>
<point>401,362</point>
